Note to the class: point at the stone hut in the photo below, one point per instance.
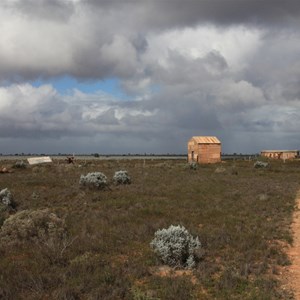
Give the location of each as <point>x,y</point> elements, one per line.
<point>204,149</point>
<point>280,154</point>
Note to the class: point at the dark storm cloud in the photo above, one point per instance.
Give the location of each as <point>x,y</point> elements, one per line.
<point>100,39</point>
<point>55,10</point>
<point>275,68</point>
<point>177,13</point>
<point>235,11</point>
<point>226,68</point>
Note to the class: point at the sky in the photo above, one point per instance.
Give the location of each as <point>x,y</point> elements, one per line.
<point>144,76</point>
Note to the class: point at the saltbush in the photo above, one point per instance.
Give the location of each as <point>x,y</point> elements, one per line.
<point>33,226</point>
<point>6,197</point>
<point>7,205</point>
<point>94,179</point>
<point>122,177</point>
<point>260,164</point>
<point>193,165</point>
<point>176,247</point>
<point>20,164</point>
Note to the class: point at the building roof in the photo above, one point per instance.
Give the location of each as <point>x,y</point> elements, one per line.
<point>275,151</point>
<point>206,140</point>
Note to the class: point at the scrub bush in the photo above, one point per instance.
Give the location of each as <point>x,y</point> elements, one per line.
<point>260,164</point>
<point>7,205</point>
<point>193,165</point>
<point>176,247</point>
<point>6,197</point>
<point>94,179</point>
<point>31,225</point>
<point>20,164</point>
<point>121,177</point>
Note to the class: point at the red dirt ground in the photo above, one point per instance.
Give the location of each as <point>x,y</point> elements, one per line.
<point>292,272</point>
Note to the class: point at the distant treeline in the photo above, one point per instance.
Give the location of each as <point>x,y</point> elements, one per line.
<point>224,156</point>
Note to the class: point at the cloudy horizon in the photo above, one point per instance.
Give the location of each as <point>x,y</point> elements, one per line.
<point>88,76</point>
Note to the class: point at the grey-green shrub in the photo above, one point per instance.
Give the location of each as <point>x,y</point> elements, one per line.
<point>122,177</point>
<point>20,164</point>
<point>193,165</point>
<point>176,247</point>
<point>6,197</point>
<point>33,226</point>
<point>260,164</point>
<point>94,179</point>
<point>7,205</point>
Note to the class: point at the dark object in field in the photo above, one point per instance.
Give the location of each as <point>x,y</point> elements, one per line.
<point>70,159</point>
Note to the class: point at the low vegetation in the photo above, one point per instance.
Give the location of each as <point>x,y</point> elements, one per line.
<point>94,180</point>
<point>6,197</point>
<point>121,177</point>
<point>63,240</point>
<point>193,165</point>
<point>19,164</point>
<point>260,164</point>
<point>176,247</point>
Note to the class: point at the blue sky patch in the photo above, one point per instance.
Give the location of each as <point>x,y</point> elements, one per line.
<point>66,84</point>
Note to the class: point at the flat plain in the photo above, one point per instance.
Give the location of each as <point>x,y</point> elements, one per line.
<point>241,214</point>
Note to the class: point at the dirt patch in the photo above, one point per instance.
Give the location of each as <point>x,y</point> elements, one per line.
<point>291,274</point>
<point>166,271</point>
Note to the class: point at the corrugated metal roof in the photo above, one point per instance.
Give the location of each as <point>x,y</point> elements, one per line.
<point>206,140</point>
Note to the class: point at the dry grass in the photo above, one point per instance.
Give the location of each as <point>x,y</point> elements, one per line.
<point>241,215</point>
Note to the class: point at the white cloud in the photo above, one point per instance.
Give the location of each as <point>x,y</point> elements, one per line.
<point>239,95</point>
<point>188,68</point>
<point>235,44</point>
<point>28,110</point>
